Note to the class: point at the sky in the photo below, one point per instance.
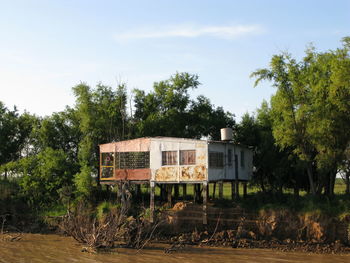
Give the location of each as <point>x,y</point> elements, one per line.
<point>47,47</point>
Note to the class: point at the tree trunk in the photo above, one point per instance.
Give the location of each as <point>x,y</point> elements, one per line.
<point>311,180</point>
<point>332,177</point>
<point>347,179</point>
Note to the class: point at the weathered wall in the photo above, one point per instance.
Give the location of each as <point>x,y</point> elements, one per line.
<point>228,171</point>
<point>136,145</point>
<point>178,173</point>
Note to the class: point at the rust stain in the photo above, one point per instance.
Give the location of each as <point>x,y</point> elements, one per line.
<point>166,174</point>
<point>133,174</point>
<point>193,173</point>
<point>201,157</point>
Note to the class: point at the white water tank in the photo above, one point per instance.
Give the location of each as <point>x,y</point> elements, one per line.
<point>226,134</point>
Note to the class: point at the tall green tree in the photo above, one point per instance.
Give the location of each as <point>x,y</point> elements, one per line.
<point>311,109</point>
<point>103,118</point>
<point>168,110</point>
<point>15,131</point>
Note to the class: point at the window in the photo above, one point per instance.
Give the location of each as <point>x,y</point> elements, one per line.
<point>216,159</point>
<point>187,157</point>
<point>242,159</point>
<point>229,157</point>
<point>107,160</point>
<point>106,172</point>
<point>169,157</point>
<point>132,160</point>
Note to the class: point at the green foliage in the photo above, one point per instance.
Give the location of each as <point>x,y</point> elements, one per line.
<point>84,182</point>
<point>42,175</point>
<point>14,132</point>
<point>169,111</point>
<point>105,208</point>
<point>101,113</point>
<point>310,109</point>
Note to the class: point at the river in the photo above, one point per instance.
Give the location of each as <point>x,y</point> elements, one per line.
<point>54,248</point>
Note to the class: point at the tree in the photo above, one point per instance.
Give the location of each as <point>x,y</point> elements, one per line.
<point>103,118</point>
<point>15,131</point>
<point>311,109</point>
<point>169,111</point>
<point>275,168</point>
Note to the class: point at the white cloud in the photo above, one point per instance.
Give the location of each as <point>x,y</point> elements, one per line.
<point>187,31</point>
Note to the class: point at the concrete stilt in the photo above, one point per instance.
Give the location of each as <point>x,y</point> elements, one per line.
<point>176,192</point>
<point>169,194</point>
<point>184,191</point>
<point>237,189</point>
<point>245,189</point>
<point>233,190</point>
<point>214,190</point>
<point>221,190</point>
<point>119,192</point>
<point>205,200</point>
<point>152,184</point>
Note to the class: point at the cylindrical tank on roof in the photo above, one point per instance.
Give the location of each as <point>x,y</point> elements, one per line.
<point>226,134</point>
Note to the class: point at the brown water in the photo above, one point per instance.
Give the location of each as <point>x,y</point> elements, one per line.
<point>54,248</point>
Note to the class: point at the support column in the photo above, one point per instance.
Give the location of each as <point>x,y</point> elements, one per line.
<point>152,184</point>
<point>221,190</point>
<point>245,189</point>
<point>237,189</point>
<point>176,192</point>
<point>207,191</point>
<point>214,190</point>
<point>205,200</point>
<point>184,191</point>
<point>233,190</point>
<point>119,192</point>
<point>138,191</point>
<point>169,194</point>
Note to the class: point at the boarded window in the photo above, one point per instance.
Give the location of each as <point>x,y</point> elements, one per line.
<point>107,172</point>
<point>169,158</point>
<point>132,160</point>
<point>242,159</point>
<point>187,157</point>
<point>216,159</point>
<point>107,160</point>
<point>229,157</point>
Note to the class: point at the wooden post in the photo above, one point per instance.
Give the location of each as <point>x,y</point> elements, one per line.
<point>214,190</point>
<point>236,176</point>
<point>138,191</point>
<point>233,190</point>
<point>221,190</point>
<point>176,192</point>
<point>207,193</point>
<point>184,191</point>
<point>194,193</point>
<point>169,194</point>
<point>119,192</point>
<point>152,184</point>
<point>245,189</point>
<point>205,200</point>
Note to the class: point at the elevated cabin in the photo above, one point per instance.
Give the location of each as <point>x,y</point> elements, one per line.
<point>174,160</point>
<point>167,160</point>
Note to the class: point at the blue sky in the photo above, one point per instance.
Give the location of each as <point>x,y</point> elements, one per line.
<point>47,47</point>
